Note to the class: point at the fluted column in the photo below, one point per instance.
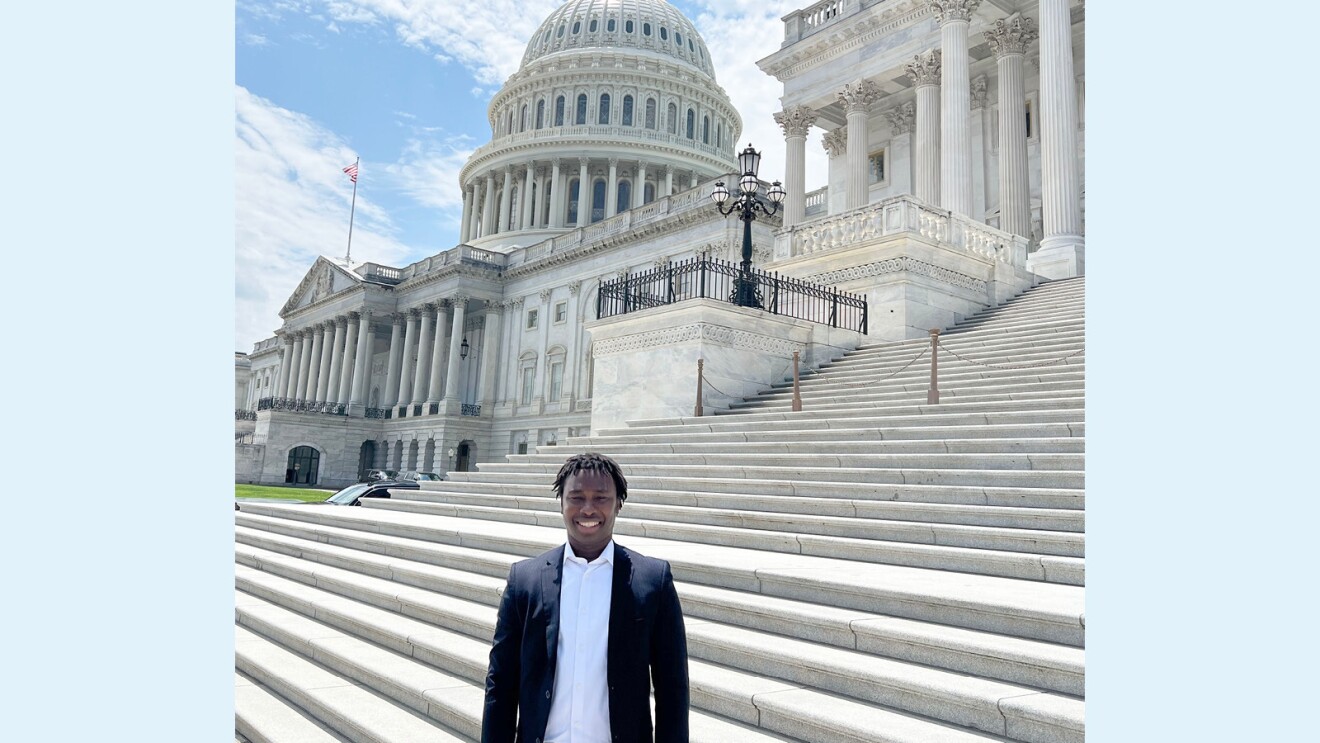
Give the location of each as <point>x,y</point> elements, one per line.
<point>350,353</point>
<point>336,359</point>
<point>639,186</point>
<point>1061,208</point>
<point>406,372</point>
<point>474,221</point>
<point>924,69</point>
<point>538,212</point>
<point>1009,40</point>
<point>396,355</point>
<point>455,348</point>
<point>488,207</point>
<point>556,196</point>
<point>669,181</point>
<point>796,121</point>
<point>435,390</point>
<point>281,388</point>
<point>571,360</point>
<point>506,200</point>
<point>420,384</point>
<point>583,195</point>
<point>464,229</point>
<point>525,220</point>
<point>856,99</point>
<point>490,344</point>
<point>298,372</point>
<point>612,189</point>
<point>314,370</point>
<point>955,104</point>
<point>362,359</point>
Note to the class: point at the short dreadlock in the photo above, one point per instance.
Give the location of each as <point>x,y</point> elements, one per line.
<point>591,462</point>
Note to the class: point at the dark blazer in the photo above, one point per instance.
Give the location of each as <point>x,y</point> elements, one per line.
<point>647,644</point>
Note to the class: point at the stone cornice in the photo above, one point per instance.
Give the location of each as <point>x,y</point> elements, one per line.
<point>904,264</point>
<point>824,48</point>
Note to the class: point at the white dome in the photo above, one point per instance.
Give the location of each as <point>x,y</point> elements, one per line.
<point>652,25</point>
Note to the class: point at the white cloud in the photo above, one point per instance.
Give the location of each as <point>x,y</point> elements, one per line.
<point>291,205</point>
<point>427,171</point>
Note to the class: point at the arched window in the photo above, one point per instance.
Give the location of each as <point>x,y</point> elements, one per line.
<point>646,29</point>
<point>540,113</point>
<point>719,134</point>
<point>625,197</point>
<point>560,33</point>
<point>648,193</point>
<point>598,200</point>
<point>678,38</point>
<point>609,25</point>
<point>513,209</point>
<point>572,201</point>
<point>627,110</point>
<point>671,119</point>
<point>664,34</point>
<point>592,27</point>
<point>691,124</point>
<point>628,27</point>
<point>522,119</point>
<point>577,26</point>
<point>559,111</point>
<point>705,130</point>
<point>650,113</point>
<point>603,116</point>
<point>581,117</point>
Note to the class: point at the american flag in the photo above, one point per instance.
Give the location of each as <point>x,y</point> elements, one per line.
<point>352,172</point>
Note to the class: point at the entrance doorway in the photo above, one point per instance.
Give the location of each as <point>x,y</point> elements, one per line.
<point>463,460</point>
<point>304,461</point>
<point>366,459</point>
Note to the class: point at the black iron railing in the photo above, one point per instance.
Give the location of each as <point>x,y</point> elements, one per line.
<point>245,415</point>
<point>711,278</point>
<point>472,410</point>
<point>292,405</point>
<point>375,413</point>
<point>434,409</point>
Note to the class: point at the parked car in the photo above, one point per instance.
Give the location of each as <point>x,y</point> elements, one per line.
<point>374,475</point>
<point>353,494</point>
<point>420,476</point>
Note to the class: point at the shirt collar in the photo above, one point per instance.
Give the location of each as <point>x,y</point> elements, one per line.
<point>606,554</point>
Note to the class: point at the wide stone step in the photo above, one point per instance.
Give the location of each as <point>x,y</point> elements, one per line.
<point>1052,519</point>
<point>827,457</point>
<point>998,341</point>
<point>908,475</point>
<point>932,416</point>
<point>918,384</point>
<point>618,449</point>
<point>1065,498</point>
<point>261,716</point>
<point>1042,356</point>
<point>884,398</point>
<point>1044,665</point>
<point>903,686</point>
<point>1026,609</point>
<point>863,433</point>
<point>1023,316</point>
<point>891,412</point>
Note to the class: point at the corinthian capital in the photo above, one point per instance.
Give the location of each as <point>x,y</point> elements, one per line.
<point>901,118</point>
<point>978,91</point>
<point>953,10</point>
<point>796,120</point>
<point>857,96</point>
<point>836,141</point>
<point>1012,36</point>
<point>924,69</point>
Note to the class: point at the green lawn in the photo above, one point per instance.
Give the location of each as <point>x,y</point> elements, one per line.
<point>304,495</point>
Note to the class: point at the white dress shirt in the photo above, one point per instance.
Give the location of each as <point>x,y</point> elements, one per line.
<point>580,707</point>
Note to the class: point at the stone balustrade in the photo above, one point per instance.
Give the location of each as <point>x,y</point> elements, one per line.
<point>800,24</point>
<point>897,215</point>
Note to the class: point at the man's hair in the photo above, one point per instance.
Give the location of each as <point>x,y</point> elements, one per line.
<point>591,462</point>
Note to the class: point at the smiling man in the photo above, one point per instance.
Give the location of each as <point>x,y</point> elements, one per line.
<point>586,630</point>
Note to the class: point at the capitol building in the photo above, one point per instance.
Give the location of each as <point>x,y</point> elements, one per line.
<point>954,131</point>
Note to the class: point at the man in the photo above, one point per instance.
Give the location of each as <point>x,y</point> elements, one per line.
<point>585,629</point>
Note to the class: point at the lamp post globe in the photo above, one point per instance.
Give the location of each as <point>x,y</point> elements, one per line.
<point>746,203</point>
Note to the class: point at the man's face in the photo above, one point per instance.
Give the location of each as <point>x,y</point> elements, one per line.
<point>589,505</point>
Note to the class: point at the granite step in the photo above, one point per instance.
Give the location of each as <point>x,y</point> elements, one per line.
<point>824,457</point>
<point>892,412</point>
<point>1033,663</point>
<point>396,619</point>
<point>885,398</point>
<point>261,716</point>
<point>788,444</point>
<point>1027,609</point>
<point>917,384</point>
<point>929,417</point>
<point>862,433</point>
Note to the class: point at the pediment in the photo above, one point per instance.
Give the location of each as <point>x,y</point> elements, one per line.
<point>325,279</point>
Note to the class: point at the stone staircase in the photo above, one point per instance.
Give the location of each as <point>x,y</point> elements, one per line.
<point>870,569</point>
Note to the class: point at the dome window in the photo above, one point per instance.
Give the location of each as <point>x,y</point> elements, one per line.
<point>560,33</point>
<point>678,38</point>
<point>671,119</point>
<point>581,117</point>
<point>577,26</point>
<point>540,113</point>
<point>691,124</point>
<point>690,47</point>
<point>559,111</point>
<point>593,25</point>
<point>650,113</point>
<point>664,34</point>
<point>624,195</point>
<point>705,130</point>
<point>646,29</point>
<point>610,25</point>
<point>627,110</point>
<point>603,115</point>
<point>522,119</point>
<point>628,27</point>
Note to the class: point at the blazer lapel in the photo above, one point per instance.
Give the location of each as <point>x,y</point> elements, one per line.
<point>552,575</point>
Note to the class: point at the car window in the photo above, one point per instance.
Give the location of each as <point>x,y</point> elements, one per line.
<point>348,494</point>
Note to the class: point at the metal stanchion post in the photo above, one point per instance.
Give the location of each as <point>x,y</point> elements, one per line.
<point>700,364</point>
<point>797,391</point>
<point>933,397</point>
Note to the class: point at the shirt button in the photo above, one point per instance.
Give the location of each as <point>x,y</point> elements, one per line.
<point>547,696</point>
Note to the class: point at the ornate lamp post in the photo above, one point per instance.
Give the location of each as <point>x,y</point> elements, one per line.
<point>746,204</point>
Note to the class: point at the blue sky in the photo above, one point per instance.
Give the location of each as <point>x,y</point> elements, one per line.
<point>404,84</point>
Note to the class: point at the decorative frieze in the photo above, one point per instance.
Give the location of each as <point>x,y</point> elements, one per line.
<point>903,264</point>
<point>924,69</point>
<point>796,121</point>
<point>835,142</point>
<point>697,332</point>
<point>1012,36</point>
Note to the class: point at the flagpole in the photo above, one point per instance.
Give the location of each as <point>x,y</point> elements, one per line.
<point>348,257</point>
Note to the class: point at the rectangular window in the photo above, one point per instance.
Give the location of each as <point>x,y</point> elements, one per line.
<point>522,447</point>
<point>1030,132</point>
<point>556,379</point>
<point>532,319</point>
<point>528,379</point>
<point>876,167</point>
<point>561,312</point>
